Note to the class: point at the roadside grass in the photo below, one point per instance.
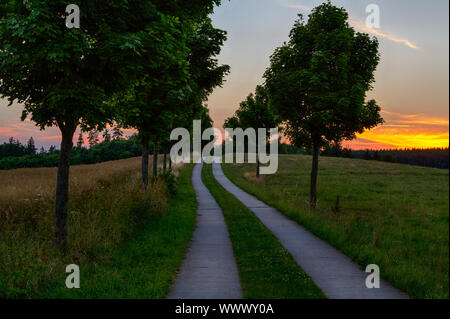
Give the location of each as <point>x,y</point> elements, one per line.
<point>266,269</point>
<point>144,266</point>
<point>128,243</point>
<point>392,215</point>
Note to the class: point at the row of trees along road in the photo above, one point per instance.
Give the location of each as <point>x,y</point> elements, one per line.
<point>147,65</point>
<point>254,112</point>
<point>316,85</point>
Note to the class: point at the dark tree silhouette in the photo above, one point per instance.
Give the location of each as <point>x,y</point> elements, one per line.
<point>93,138</point>
<point>80,141</point>
<point>106,136</point>
<point>117,133</point>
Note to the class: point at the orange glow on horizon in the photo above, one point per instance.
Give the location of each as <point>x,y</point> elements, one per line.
<point>399,132</point>
<point>405,131</point>
<point>419,140</point>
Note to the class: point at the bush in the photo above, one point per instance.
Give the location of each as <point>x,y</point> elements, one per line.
<point>171,182</point>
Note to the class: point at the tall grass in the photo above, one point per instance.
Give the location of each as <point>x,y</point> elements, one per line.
<point>106,204</point>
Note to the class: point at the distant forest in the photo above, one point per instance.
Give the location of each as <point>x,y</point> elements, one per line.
<point>14,155</point>
<point>434,157</point>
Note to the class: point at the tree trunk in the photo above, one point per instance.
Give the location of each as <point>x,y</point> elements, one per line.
<point>145,154</point>
<point>165,162</point>
<point>155,160</point>
<point>62,188</point>
<point>314,172</point>
<point>258,166</point>
<point>170,162</point>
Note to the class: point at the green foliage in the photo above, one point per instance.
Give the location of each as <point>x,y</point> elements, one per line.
<point>163,72</point>
<point>103,152</point>
<point>171,182</point>
<point>63,76</point>
<point>254,112</point>
<point>335,149</point>
<point>232,122</point>
<point>318,80</point>
<point>12,149</point>
<point>433,157</point>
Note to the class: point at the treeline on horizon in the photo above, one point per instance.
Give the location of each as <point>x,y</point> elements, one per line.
<point>14,154</point>
<point>427,157</point>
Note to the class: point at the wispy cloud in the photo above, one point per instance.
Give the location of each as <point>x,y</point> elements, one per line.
<point>359,25</point>
<point>296,6</point>
<point>410,120</point>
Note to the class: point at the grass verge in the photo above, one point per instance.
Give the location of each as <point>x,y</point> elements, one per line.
<point>128,243</point>
<point>392,215</point>
<point>266,269</point>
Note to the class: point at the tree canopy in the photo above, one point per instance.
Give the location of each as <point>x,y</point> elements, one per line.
<point>319,79</point>
<point>134,62</point>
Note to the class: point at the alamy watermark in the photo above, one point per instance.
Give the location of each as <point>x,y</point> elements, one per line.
<point>373,20</point>
<point>235,139</point>
<point>73,279</point>
<point>73,16</point>
<point>373,280</point>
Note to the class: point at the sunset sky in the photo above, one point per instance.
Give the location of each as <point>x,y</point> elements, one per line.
<point>411,82</point>
<point>412,79</point>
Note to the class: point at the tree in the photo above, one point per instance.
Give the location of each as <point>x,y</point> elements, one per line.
<point>93,138</point>
<point>367,155</point>
<point>64,76</point>
<point>160,85</point>
<point>181,74</point>
<point>31,147</point>
<point>80,141</point>
<point>256,113</point>
<point>12,149</point>
<point>106,136</point>
<point>376,156</point>
<point>117,134</point>
<point>318,81</point>
<point>232,122</point>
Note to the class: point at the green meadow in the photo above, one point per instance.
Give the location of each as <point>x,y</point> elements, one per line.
<point>392,215</point>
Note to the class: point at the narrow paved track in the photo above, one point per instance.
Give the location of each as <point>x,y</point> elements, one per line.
<point>336,274</point>
<point>209,270</point>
